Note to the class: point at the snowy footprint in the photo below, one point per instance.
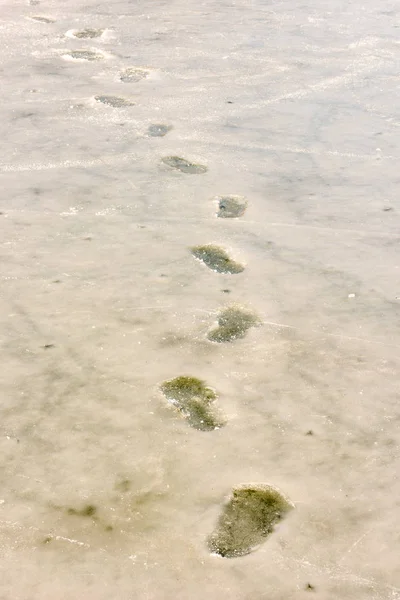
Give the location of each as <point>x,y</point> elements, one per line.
<point>158,130</point>
<point>83,55</point>
<point>233,324</point>
<point>231,207</point>
<point>114,101</point>
<point>194,400</point>
<point>247,519</point>
<point>216,259</point>
<point>133,75</point>
<point>87,33</point>
<point>183,165</point>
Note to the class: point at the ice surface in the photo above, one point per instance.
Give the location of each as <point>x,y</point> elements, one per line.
<point>104,493</point>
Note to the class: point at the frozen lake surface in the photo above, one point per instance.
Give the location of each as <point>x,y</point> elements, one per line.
<point>200,296</point>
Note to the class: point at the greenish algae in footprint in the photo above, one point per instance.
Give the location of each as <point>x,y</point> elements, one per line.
<point>233,324</point>
<point>158,130</point>
<point>231,207</point>
<point>133,75</point>
<point>193,399</point>
<point>85,55</point>
<point>216,259</point>
<point>88,33</point>
<point>114,101</point>
<point>183,165</point>
<point>87,511</point>
<point>247,520</point>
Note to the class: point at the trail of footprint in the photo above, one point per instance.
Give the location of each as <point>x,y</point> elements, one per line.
<point>247,519</point>
<point>114,101</point>
<point>183,165</point>
<point>158,130</point>
<point>193,399</point>
<point>216,259</point>
<point>231,207</point>
<point>233,324</point>
<point>133,75</point>
<point>89,55</point>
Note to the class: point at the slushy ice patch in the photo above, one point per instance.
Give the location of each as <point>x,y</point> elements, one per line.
<point>194,400</point>
<point>216,259</point>
<point>247,519</point>
<point>183,165</point>
<point>231,207</point>
<point>233,324</point>
<point>114,101</point>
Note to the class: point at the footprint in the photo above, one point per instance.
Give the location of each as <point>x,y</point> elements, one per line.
<point>231,207</point>
<point>84,55</point>
<point>193,399</point>
<point>233,323</point>
<point>43,19</point>
<point>114,101</point>
<point>247,519</point>
<point>183,165</point>
<point>216,259</point>
<point>133,75</point>
<point>158,130</point>
<point>87,33</point>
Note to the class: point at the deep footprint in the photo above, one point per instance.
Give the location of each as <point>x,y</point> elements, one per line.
<point>231,207</point>
<point>233,324</point>
<point>84,55</point>
<point>183,165</point>
<point>114,101</point>
<point>193,399</point>
<point>158,130</point>
<point>133,75</point>
<point>88,33</point>
<point>216,259</point>
<point>247,520</point>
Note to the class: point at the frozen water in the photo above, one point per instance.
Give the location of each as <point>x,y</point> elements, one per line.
<point>291,108</point>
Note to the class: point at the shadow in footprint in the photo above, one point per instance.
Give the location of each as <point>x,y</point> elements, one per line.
<point>231,207</point>
<point>233,324</point>
<point>216,259</point>
<point>158,130</point>
<point>84,55</point>
<point>183,165</point>
<point>247,519</point>
<point>43,19</point>
<point>133,75</point>
<point>114,101</point>
<point>193,399</point>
